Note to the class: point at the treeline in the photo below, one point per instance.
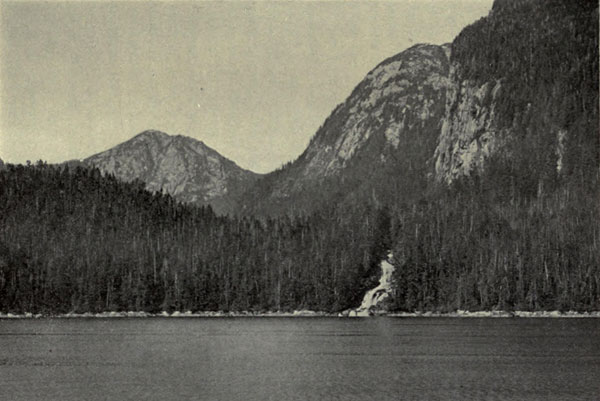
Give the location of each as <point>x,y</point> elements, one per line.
<point>72,239</point>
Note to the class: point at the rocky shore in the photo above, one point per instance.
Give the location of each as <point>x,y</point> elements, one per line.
<point>176,314</point>
<point>308,313</point>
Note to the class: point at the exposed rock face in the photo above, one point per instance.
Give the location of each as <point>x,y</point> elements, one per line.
<point>395,97</point>
<point>525,92</point>
<point>383,133</point>
<point>181,166</point>
<point>469,131</point>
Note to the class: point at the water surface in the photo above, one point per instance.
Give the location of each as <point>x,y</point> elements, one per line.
<point>300,359</point>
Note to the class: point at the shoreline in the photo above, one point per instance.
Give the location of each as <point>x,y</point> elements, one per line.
<point>307,313</point>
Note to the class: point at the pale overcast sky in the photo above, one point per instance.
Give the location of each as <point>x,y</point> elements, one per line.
<point>253,80</point>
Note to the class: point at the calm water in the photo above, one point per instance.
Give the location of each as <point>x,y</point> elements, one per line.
<point>300,359</point>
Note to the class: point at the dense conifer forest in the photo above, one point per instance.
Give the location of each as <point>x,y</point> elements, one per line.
<point>72,240</point>
<point>474,247</point>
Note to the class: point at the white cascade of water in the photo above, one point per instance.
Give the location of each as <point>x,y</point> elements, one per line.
<point>379,293</point>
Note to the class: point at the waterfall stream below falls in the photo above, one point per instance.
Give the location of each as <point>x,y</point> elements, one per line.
<point>374,296</point>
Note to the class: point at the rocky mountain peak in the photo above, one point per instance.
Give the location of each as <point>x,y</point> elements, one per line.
<point>151,136</point>
<point>152,133</point>
<point>181,166</point>
<point>390,121</point>
<point>394,97</point>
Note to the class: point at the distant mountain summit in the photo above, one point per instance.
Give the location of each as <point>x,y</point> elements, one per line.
<point>376,144</point>
<point>181,166</point>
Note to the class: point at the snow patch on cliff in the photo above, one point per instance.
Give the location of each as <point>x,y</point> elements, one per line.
<point>561,137</point>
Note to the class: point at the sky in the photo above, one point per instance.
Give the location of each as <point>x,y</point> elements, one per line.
<point>253,80</point>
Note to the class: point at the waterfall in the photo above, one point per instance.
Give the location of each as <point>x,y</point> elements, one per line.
<point>379,293</point>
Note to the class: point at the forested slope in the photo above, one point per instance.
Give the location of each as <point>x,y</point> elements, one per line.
<point>519,148</point>
<point>74,240</point>
<point>474,248</point>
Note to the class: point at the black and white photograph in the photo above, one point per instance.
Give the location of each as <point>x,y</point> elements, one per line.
<point>298,200</point>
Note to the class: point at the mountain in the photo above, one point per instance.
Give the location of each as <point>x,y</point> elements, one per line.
<point>513,218</point>
<point>523,99</point>
<point>181,166</point>
<point>514,97</point>
<point>375,145</point>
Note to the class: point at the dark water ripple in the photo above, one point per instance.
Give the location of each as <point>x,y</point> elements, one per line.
<point>300,359</point>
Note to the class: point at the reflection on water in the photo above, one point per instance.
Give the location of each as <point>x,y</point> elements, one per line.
<point>300,359</point>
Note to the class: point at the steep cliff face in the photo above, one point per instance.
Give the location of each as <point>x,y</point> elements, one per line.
<point>524,92</point>
<point>470,131</point>
<point>380,138</point>
<point>181,166</point>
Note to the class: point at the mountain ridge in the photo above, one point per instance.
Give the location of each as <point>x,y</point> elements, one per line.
<point>429,115</point>
<point>387,124</point>
<point>181,166</point>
